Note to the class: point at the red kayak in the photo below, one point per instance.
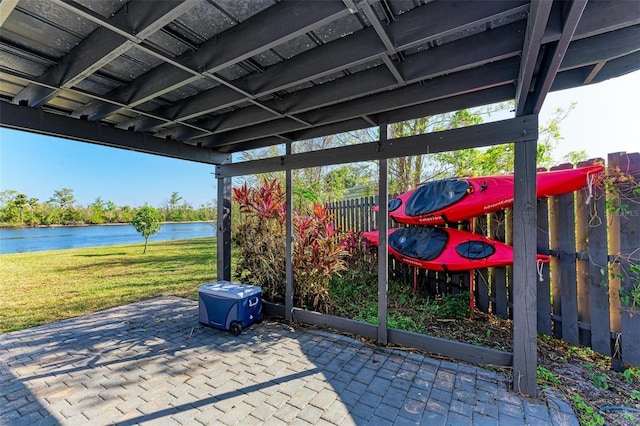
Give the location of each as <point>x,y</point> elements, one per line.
<point>455,200</point>
<point>446,249</point>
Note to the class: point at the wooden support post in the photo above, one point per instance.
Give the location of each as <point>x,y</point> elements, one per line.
<point>288,250</point>
<point>383,249</point>
<point>524,269</point>
<point>223,233</point>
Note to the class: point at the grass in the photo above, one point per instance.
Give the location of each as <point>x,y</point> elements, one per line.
<point>41,287</point>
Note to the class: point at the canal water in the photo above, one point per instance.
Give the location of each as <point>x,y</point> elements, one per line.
<point>64,237</point>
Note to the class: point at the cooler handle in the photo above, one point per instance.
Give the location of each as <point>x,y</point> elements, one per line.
<point>253,302</point>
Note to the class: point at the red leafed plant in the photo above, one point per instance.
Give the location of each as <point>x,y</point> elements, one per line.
<point>259,235</point>
<point>317,252</point>
<point>317,256</point>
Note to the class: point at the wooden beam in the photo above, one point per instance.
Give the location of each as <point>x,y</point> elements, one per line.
<point>442,19</point>
<point>38,121</point>
<point>553,58</point>
<point>113,38</point>
<point>337,323</point>
<point>499,132</point>
<point>275,25</point>
<point>451,348</point>
<point>601,48</point>
<point>525,359</point>
<point>536,24</point>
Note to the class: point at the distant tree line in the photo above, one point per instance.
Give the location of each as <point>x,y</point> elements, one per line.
<point>17,209</point>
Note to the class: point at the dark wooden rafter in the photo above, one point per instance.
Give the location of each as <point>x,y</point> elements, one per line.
<point>83,93</point>
<point>500,93</point>
<point>598,17</point>
<point>536,24</point>
<point>101,46</point>
<point>324,60</point>
<point>601,48</point>
<point>553,57</point>
<point>274,26</point>
<point>448,18</point>
<point>341,54</point>
<point>493,74</point>
<point>386,41</point>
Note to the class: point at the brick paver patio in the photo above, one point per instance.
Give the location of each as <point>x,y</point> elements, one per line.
<point>151,362</point>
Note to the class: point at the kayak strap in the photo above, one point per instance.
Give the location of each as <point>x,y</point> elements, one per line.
<point>540,269</point>
<point>590,179</point>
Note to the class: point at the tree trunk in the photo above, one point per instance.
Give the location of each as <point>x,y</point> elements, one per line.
<point>146,240</point>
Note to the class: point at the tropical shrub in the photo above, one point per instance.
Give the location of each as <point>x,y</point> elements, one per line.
<point>260,238</point>
<point>318,252</point>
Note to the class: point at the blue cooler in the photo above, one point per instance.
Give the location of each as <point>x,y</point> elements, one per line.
<point>229,306</point>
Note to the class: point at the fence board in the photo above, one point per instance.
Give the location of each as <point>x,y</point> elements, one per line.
<point>544,283</point>
<point>563,245</point>
<point>482,275</point>
<point>582,264</point>
<point>554,267</point>
<point>499,275</point>
<point>629,255</point>
<point>508,238</point>
<point>568,278</point>
<point>598,271</point>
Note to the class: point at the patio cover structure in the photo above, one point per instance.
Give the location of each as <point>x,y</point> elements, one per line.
<point>202,79</point>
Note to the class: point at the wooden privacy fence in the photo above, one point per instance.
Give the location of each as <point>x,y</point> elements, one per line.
<point>589,294</point>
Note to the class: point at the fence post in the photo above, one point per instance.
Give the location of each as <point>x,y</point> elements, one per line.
<point>629,254</point>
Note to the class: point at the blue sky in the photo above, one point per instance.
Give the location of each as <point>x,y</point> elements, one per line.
<point>605,120</point>
<point>38,165</point>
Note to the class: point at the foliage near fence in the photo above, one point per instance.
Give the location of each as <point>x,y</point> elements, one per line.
<point>590,292</point>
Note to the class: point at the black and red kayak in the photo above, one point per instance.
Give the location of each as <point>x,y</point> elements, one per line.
<point>455,200</point>
<point>446,249</point>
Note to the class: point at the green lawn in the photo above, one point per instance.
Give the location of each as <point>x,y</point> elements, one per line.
<point>41,287</point>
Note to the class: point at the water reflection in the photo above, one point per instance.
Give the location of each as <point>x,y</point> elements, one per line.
<point>58,238</point>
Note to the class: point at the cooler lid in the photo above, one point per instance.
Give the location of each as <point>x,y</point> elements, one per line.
<point>230,290</point>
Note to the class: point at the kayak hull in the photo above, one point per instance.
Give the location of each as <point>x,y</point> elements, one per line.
<point>402,246</point>
<point>484,195</point>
